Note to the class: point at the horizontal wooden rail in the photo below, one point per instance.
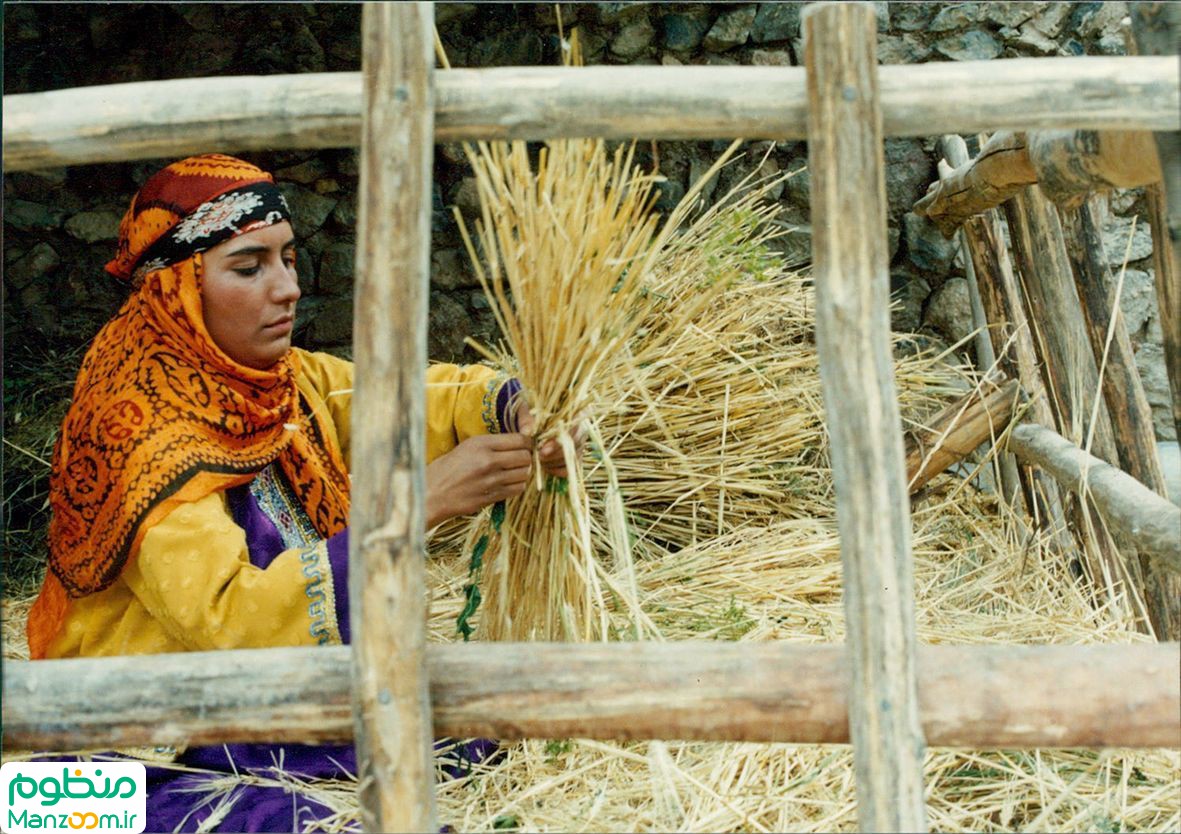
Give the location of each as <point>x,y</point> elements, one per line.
<point>159,119</point>
<point>970,696</point>
<point>1151,523</point>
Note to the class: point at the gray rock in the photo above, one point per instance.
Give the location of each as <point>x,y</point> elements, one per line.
<point>509,48</point>
<point>1150,361</point>
<point>795,246</point>
<point>304,173</point>
<point>309,210</point>
<point>344,216</point>
<point>27,216</point>
<point>1124,200</point>
<point>671,192</point>
<point>449,325</point>
<point>332,322</point>
<point>770,58</point>
<point>912,17</point>
<point>611,14</point>
<point>466,197</point>
<point>450,270</point>
<point>447,12</point>
<point>1053,18</point>
<point>633,38</point>
<point>33,266</point>
<point>881,11</point>
<point>956,16</point>
<point>949,311</point>
<point>1012,14</point>
<point>1034,40</point>
<point>697,169</point>
<point>349,163</point>
<point>901,49</point>
<point>798,187</point>
<point>1168,452</point>
<point>337,267</point>
<point>1093,20</point>
<point>1115,241</point>
<point>1112,44</point>
<point>682,32</point>
<point>93,226</point>
<point>908,171</point>
<point>893,238</point>
<point>907,295</point>
<point>305,271</point>
<point>731,29</point>
<point>973,45</point>
<point>1137,302</point>
<point>926,247</point>
<point>776,22</point>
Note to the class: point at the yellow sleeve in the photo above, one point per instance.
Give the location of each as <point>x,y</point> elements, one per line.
<point>460,403</point>
<point>193,575</point>
<point>327,383</point>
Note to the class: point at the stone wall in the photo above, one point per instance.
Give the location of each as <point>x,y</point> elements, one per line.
<point>59,226</point>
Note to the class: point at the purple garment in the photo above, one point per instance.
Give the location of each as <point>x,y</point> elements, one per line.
<point>506,398</point>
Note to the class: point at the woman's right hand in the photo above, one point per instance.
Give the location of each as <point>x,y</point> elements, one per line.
<point>479,471</point>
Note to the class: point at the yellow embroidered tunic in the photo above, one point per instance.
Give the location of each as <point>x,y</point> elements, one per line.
<point>192,585</point>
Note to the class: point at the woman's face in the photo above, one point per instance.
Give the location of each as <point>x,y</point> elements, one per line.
<point>249,292</point>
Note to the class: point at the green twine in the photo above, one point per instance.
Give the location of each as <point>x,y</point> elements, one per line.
<point>471,591</point>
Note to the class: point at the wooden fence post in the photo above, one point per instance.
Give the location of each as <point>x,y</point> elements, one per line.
<point>387,537</point>
<point>865,430</point>
<point>1156,27</point>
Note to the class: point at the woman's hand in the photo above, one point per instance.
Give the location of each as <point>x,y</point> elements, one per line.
<point>550,454</point>
<point>479,471</point>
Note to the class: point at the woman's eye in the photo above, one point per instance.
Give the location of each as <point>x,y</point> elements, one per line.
<point>247,271</point>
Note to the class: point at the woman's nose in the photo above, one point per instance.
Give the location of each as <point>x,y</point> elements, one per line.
<point>285,288</point>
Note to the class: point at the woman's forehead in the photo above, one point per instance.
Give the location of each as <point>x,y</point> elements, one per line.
<point>276,236</point>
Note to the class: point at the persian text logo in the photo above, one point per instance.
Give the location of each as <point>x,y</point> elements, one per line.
<point>78,796</point>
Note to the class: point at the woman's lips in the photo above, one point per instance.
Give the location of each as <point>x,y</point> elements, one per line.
<point>281,326</point>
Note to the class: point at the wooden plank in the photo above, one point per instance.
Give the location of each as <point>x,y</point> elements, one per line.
<point>969,696</point>
<point>851,272</point>
<point>1153,523</point>
<point>387,586</point>
<point>174,118</point>
<point>956,431</point>
<point>1156,28</point>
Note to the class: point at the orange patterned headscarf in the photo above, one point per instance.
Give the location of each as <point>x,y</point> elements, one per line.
<point>160,414</point>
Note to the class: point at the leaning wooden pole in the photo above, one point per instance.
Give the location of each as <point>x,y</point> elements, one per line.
<point>1156,28</point>
<point>387,537</point>
<point>851,269</point>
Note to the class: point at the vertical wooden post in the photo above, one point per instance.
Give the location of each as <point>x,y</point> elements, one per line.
<point>1156,28</point>
<point>387,540</point>
<point>850,265</point>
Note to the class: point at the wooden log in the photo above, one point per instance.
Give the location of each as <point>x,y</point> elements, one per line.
<point>387,586</point>
<point>1066,164</point>
<point>1156,28</point>
<point>851,272</point>
<point>969,696</point>
<point>1153,523</point>
<point>174,118</point>
<point>956,431</point>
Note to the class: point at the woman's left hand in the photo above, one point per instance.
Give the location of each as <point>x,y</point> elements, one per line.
<point>550,452</point>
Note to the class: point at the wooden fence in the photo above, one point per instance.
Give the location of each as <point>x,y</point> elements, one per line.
<point>389,691</point>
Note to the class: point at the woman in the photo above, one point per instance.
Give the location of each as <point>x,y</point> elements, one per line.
<point>200,487</point>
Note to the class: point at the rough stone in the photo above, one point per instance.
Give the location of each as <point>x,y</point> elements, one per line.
<point>697,169</point>
<point>337,267</point>
<point>798,187</point>
<point>955,16</point>
<point>795,246</point>
<point>949,310</point>
<point>770,58</point>
<point>908,171</point>
<point>911,17</point>
<point>1169,453</point>
<point>926,247</point>
<point>907,294</point>
<point>633,38</point>
<point>1052,19</point>
<point>447,12</point>
<point>901,49</point>
<point>1124,200</point>
<point>93,226</point>
<point>1115,241</point>
<point>309,210</point>
<point>1012,14</point>
<point>332,322</point>
<point>671,192</point>
<point>973,45</point>
<point>1150,360</point>
<point>731,29</point>
<point>682,32</point>
<point>344,216</point>
<point>509,48</point>
<point>450,270</point>
<point>1112,44</point>
<point>1093,20</point>
<point>304,173</point>
<point>776,22</point>
<point>328,185</point>
<point>449,325</point>
<point>612,14</point>
<point>1033,39</point>
<point>1137,302</point>
<point>27,216</point>
<point>41,260</point>
<point>466,197</point>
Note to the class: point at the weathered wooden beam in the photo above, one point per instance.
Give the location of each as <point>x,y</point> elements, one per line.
<point>969,696</point>
<point>1156,29</point>
<point>1151,522</point>
<point>387,585</point>
<point>1066,164</point>
<point>169,119</point>
<point>956,431</point>
<point>851,271</point>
